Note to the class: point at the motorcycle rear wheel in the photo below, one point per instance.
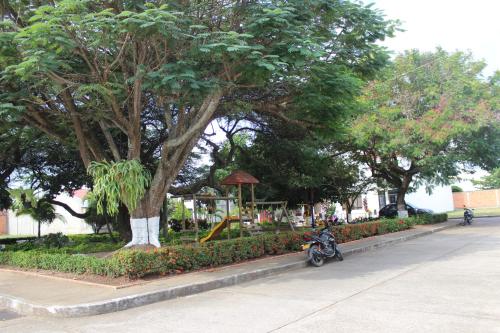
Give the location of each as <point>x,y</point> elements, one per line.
<point>315,259</point>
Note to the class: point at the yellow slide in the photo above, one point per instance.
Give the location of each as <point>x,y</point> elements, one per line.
<point>218,228</point>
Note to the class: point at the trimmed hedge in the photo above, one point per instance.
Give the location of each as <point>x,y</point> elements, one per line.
<point>72,244</point>
<point>62,262</point>
<point>14,240</point>
<point>431,218</point>
<point>177,259</point>
<point>183,258</point>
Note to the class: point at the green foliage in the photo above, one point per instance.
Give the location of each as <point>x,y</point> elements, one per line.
<point>290,163</point>
<point>118,182</point>
<point>13,239</point>
<point>417,114</point>
<point>25,202</point>
<point>72,244</point>
<point>491,181</point>
<point>56,240</point>
<point>455,188</point>
<point>177,213</point>
<point>61,262</point>
<point>125,78</point>
<point>429,218</point>
<point>186,258</point>
<point>183,258</point>
<point>435,218</point>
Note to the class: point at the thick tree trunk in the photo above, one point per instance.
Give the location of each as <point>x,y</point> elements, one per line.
<point>110,232</point>
<point>348,209</point>
<point>145,224</point>
<point>123,223</point>
<point>145,219</point>
<point>400,200</point>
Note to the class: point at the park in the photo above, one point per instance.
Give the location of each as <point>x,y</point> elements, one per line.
<point>159,149</point>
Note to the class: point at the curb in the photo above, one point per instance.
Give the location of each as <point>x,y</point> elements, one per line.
<point>388,242</point>
<point>24,307</point>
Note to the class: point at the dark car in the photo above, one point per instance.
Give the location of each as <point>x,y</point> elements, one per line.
<point>391,210</point>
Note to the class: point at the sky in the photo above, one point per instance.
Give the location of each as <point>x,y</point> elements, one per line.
<point>452,24</point>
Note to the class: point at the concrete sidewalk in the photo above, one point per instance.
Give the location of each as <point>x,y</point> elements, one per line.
<point>46,296</point>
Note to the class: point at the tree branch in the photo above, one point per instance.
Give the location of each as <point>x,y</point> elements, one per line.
<point>67,208</point>
<point>206,111</point>
<point>111,142</point>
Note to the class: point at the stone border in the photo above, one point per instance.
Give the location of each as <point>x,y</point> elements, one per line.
<point>22,306</point>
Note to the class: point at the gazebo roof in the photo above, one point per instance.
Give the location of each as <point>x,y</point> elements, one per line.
<point>239,177</point>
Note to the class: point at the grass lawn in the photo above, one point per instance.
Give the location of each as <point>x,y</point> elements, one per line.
<point>477,212</point>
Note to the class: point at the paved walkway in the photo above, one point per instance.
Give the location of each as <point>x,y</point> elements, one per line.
<point>41,295</point>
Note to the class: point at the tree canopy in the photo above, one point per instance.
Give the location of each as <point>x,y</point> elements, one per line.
<point>417,117</point>
<point>491,181</point>
<point>141,80</point>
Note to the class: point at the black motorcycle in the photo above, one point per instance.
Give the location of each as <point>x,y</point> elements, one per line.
<point>322,246</point>
<point>468,214</point>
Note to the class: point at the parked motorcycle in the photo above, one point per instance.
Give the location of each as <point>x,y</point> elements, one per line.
<point>468,214</point>
<point>322,246</point>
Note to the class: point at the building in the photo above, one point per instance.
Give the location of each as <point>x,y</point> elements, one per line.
<point>24,225</point>
<point>440,200</point>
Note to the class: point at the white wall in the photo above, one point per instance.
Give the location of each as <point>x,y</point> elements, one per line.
<point>440,200</point>
<point>372,203</point>
<point>68,224</point>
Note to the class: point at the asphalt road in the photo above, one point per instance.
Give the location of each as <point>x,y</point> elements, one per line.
<point>446,282</point>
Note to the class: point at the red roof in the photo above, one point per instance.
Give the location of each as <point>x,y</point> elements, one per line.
<point>239,177</point>
<point>81,193</point>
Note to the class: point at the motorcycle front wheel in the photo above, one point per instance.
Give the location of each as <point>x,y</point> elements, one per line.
<point>339,255</point>
<point>314,258</point>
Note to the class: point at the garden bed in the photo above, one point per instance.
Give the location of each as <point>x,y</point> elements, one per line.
<point>170,260</point>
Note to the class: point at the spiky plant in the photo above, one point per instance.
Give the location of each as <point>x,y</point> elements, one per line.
<point>118,182</point>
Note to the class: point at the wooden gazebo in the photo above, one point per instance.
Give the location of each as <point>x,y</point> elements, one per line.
<point>239,177</point>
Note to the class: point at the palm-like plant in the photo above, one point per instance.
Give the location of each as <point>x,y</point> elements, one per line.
<point>25,202</point>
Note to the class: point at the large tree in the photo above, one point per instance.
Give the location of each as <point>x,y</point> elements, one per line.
<point>429,114</point>
<point>140,81</point>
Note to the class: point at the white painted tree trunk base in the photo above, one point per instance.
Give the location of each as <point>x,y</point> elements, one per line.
<point>145,231</point>
<point>402,213</point>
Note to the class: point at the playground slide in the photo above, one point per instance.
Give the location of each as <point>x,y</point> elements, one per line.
<point>218,228</point>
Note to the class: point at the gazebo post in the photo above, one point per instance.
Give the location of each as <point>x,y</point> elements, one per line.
<point>228,220</point>
<point>253,203</point>
<point>183,216</point>
<point>165,215</point>
<point>240,204</point>
<point>195,220</point>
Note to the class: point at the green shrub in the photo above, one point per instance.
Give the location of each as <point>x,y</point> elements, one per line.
<point>59,243</point>
<point>57,240</point>
<point>431,218</point>
<point>182,258</point>
<point>62,262</point>
<point>175,259</point>
<point>14,240</point>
